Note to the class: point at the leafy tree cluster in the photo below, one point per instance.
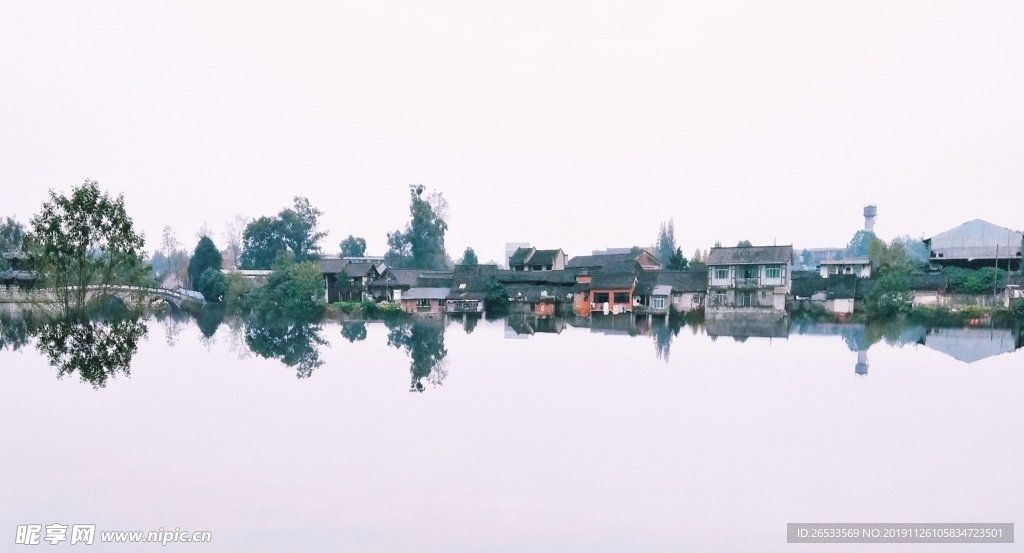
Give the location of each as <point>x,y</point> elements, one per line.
<point>969,281</point>
<point>293,291</point>
<point>421,244</point>
<point>293,229</point>
<point>496,302</point>
<point>469,257</point>
<point>353,247</point>
<point>665,246</point>
<point>85,239</point>
<point>891,265</point>
<point>204,271</point>
<point>860,245</point>
<point>670,255</point>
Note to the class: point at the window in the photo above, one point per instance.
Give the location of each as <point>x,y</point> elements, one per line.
<point>773,271</point>
<point>658,302</point>
<point>621,297</point>
<point>600,297</point>
<point>721,273</point>
<point>422,303</point>
<point>720,297</point>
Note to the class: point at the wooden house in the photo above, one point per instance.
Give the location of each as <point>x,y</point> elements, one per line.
<point>348,280</point>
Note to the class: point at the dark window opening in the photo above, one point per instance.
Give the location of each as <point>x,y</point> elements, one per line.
<point>621,297</point>
<point>600,297</point>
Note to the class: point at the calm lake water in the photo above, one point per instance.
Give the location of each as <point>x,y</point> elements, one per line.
<point>509,435</point>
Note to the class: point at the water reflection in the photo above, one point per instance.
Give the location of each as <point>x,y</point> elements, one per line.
<point>423,341</point>
<point>96,350</point>
<point>353,332</point>
<point>294,344</point>
<point>15,331</point>
<point>99,349</point>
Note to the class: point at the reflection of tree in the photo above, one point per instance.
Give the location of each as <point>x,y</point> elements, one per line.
<point>14,331</point>
<point>470,323</point>
<point>209,319</point>
<point>96,350</point>
<point>663,334</point>
<point>424,342</point>
<point>294,344</point>
<point>353,332</point>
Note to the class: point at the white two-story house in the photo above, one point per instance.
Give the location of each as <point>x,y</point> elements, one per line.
<point>749,280</point>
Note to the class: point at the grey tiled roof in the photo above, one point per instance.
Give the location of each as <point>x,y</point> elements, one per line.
<point>750,256</point>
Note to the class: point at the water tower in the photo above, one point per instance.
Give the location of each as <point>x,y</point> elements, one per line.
<point>870,212</point>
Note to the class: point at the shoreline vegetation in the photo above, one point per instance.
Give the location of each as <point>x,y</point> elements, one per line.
<point>85,241</point>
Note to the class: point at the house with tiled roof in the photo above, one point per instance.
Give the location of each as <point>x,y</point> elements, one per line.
<point>428,295</point>
<point>532,259</point>
<point>752,279</point>
<point>470,284</point>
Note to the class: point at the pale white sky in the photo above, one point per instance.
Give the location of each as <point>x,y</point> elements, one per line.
<point>578,125</point>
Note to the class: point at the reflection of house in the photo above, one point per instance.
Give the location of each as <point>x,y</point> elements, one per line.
<point>857,267</point>
<point>752,279</point>
<point>741,326</point>
<point>532,259</point>
<point>470,284</point>
<point>526,325</point>
<point>972,344</point>
<point>976,244</point>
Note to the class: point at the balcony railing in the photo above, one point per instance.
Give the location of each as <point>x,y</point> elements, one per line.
<point>747,281</point>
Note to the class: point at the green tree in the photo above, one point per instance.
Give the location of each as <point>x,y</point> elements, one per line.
<point>212,285</point>
<point>469,258</point>
<point>205,256</point>
<point>86,239</point>
<point>11,234</point>
<point>299,230</point>
<point>293,229</point>
<point>421,244</point>
<point>353,247</point>
<point>496,302</point>
<point>860,244</point>
<point>890,295</point>
<point>262,241</point>
<point>293,291</point>
<point>676,261</point>
<point>666,244</point>
<point>886,258</point>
